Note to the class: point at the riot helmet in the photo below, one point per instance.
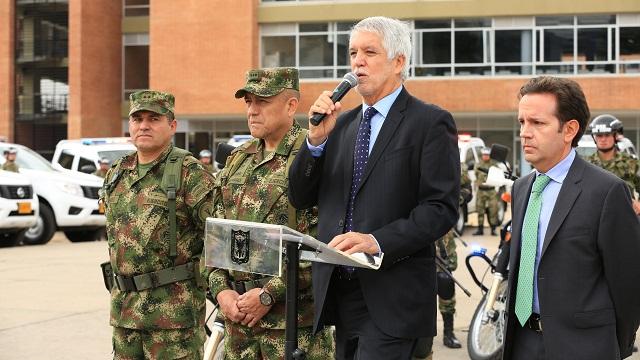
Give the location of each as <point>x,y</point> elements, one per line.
<point>205,153</point>
<point>606,124</point>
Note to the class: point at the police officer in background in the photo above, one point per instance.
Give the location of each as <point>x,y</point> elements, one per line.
<point>486,196</point>
<point>10,163</point>
<point>606,130</point>
<point>104,167</point>
<point>253,187</point>
<point>157,200</point>
<point>205,159</point>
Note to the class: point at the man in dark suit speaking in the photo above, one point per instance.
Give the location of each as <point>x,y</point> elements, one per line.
<point>386,177</point>
<point>574,279</point>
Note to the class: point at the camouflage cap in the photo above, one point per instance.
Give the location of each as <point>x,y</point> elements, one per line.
<point>150,100</point>
<point>269,82</point>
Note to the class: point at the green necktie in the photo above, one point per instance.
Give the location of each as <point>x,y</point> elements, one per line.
<point>524,293</point>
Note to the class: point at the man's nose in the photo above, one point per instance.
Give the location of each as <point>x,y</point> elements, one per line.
<point>358,59</point>
<point>145,124</point>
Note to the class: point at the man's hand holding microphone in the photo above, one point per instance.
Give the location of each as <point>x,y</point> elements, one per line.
<point>324,111</point>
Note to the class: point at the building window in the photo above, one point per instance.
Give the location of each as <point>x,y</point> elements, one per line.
<point>136,7</point>
<point>502,46</point>
<point>630,49</point>
<point>318,50</point>
<point>135,63</point>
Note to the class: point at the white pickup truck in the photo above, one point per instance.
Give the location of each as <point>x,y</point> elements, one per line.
<point>84,154</point>
<point>67,201</point>
<point>18,207</point>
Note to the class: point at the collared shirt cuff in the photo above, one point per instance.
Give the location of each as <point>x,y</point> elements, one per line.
<point>316,151</point>
<point>377,243</point>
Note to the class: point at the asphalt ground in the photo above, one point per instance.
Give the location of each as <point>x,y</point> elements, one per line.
<point>53,304</point>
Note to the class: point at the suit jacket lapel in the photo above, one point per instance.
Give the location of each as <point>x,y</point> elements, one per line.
<point>520,208</point>
<point>389,127</point>
<point>566,198</point>
<point>349,142</point>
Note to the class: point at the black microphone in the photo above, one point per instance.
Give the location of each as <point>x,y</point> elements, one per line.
<point>350,80</point>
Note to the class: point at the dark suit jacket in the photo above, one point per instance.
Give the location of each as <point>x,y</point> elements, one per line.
<point>408,198</point>
<point>589,271</point>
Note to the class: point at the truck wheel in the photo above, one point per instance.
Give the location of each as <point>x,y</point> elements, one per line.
<point>43,230</point>
<point>83,235</point>
<point>11,239</point>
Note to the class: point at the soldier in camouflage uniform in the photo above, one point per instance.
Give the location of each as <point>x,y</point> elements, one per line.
<point>10,163</point>
<point>205,159</point>
<point>605,130</point>
<point>486,196</point>
<point>158,300</point>
<point>446,249</point>
<point>104,167</point>
<point>253,187</point>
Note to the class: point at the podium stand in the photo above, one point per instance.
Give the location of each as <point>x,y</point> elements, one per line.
<point>258,248</point>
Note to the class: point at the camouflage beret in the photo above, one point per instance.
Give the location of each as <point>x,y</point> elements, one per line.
<point>150,100</point>
<point>269,82</point>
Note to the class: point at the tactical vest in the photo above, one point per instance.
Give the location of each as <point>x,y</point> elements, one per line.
<point>170,184</point>
<point>236,161</point>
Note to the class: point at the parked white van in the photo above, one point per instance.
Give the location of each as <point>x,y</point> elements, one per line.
<point>84,154</point>
<point>18,207</point>
<point>67,201</point>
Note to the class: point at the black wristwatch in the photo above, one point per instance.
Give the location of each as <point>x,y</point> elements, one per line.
<point>266,299</point>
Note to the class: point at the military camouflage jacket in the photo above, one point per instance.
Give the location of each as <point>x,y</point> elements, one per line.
<point>481,176</point>
<point>623,166</point>
<point>10,166</point>
<point>100,172</point>
<point>257,191</point>
<point>137,232</point>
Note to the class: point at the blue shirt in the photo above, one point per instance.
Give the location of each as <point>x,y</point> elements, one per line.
<point>382,106</point>
<point>549,196</point>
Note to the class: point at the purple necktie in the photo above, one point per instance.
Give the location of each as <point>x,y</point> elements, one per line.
<point>360,157</point>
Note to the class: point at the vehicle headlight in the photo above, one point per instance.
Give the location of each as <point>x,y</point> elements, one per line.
<point>70,188</point>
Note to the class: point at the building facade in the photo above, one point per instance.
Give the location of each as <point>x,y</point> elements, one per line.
<point>469,57</point>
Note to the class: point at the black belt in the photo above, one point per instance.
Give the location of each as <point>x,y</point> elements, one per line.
<point>156,278</point>
<point>534,323</point>
<point>242,286</point>
<point>485,187</point>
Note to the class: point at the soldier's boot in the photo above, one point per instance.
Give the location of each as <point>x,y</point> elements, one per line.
<point>493,231</point>
<point>449,338</point>
<point>480,231</point>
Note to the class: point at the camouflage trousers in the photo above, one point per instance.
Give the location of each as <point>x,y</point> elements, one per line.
<point>242,342</point>
<point>449,243</point>
<point>487,199</point>
<point>447,306</point>
<point>134,344</point>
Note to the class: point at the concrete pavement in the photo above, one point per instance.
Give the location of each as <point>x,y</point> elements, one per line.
<point>53,304</point>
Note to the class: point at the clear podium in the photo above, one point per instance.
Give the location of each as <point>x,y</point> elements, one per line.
<point>259,248</point>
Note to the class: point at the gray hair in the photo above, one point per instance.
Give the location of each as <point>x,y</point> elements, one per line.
<point>395,36</point>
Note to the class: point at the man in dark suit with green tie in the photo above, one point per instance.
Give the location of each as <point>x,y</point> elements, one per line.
<point>573,283</point>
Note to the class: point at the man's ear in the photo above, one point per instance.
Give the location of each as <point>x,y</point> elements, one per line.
<point>398,63</point>
<point>292,106</point>
<point>571,129</point>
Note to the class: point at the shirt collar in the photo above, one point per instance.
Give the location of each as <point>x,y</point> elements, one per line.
<point>384,105</point>
<point>560,171</point>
